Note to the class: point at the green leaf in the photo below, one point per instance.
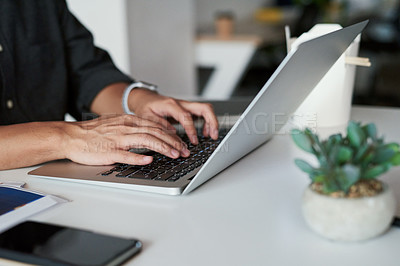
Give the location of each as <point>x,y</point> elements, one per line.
<point>395,159</point>
<point>336,138</point>
<point>344,154</point>
<point>375,171</point>
<point>318,179</point>
<point>380,141</point>
<point>370,131</point>
<point>327,145</point>
<point>360,152</point>
<point>302,140</point>
<point>394,146</point>
<point>304,166</point>
<point>317,176</point>
<point>330,185</point>
<point>383,154</point>
<point>348,176</point>
<point>333,155</point>
<point>355,134</point>
<point>342,161</point>
<point>332,140</point>
<point>367,159</point>
<point>323,161</point>
<point>315,143</point>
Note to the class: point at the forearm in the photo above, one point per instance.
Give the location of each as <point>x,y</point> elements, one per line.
<point>28,144</point>
<point>109,100</point>
<point>101,141</point>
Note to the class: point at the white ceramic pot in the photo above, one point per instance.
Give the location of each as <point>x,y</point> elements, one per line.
<point>345,219</point>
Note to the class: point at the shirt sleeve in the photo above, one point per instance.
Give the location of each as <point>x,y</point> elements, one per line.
<point>90,69</point>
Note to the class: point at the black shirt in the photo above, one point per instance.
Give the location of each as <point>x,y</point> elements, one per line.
<point>48,63</point>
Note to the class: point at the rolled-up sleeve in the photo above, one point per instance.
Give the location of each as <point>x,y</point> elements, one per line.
<point>89,68</point>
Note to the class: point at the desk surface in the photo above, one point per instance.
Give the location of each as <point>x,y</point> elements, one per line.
<point>247,215</point>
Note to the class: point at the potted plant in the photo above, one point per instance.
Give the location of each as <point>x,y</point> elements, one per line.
<point>345,201</point>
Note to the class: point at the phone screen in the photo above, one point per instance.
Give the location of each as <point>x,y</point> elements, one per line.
<point>47,244</point>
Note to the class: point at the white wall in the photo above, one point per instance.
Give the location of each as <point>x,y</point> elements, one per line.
<point>152,40</point>
<point>106,19</point>
<point>162,44</point>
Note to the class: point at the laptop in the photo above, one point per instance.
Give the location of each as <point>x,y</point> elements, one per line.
<point>293,80</point>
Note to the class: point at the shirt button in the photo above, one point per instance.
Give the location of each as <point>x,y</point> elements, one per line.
<point>10,104</point>
<point>1,48</point>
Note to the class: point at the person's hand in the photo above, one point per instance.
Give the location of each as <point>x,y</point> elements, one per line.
<point>107,140</point>
<point>156,107</point>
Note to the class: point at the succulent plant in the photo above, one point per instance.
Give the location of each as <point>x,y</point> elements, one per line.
<point>343,161</point>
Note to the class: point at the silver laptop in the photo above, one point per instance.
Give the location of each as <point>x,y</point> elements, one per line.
<point>293,80</point>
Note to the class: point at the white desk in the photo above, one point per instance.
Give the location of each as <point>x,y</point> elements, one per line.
<point>247,215</point>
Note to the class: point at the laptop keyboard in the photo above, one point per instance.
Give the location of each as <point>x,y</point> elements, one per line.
<point>164,168</point>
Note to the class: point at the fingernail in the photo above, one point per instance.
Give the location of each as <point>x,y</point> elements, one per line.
<point>184,145</point>
<point>193,139</point>
<point>147,159</point>
<point>175,153</point>
<point>215,133</point>
<point>207,130</point>
<point>185,152</point>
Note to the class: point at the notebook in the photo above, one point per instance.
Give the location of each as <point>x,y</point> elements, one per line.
<point>293,80</point>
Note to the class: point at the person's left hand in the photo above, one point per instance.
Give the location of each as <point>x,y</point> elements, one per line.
<point>156,107</point>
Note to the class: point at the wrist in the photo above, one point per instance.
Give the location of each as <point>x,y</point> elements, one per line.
<point>66,136</point>
<point>130,91</point>
<point>50,140</point>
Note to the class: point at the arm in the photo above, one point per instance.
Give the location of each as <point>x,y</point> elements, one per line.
<point>90,70</point>
<point>29,143</point>
<point>101,141</point>
<point>106,140</point>
<point>109,100</point>
<point>99,86</point>
<point>96,85</point>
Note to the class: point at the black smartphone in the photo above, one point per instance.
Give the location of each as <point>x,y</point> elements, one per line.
<point>47,244</point>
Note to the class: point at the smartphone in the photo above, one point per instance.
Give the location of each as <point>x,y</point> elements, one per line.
<point>47,244</point>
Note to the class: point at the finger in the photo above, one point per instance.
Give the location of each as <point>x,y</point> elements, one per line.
<point>127,157</point>
<point>206,130</point>
<point>164,122</point>
<point>119,129</point>
<point>112,157</point>
<point>134,120</point>
<point>107,124</point>
<point>159,120</point>
<point>171,139</point>
<point>186,120</point>
<point>184,117</point>
<point>206,111</point>
<point>148,141</point>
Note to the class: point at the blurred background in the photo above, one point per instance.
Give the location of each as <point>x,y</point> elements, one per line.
<point>220,49</point>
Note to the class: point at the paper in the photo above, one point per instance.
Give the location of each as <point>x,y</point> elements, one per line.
<point>17,204</point>
<point>328,105</point>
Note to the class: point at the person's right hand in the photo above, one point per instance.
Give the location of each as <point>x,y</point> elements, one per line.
<point>107,140</point>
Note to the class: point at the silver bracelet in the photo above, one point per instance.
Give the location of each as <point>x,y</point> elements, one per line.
<point>134,85</point>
